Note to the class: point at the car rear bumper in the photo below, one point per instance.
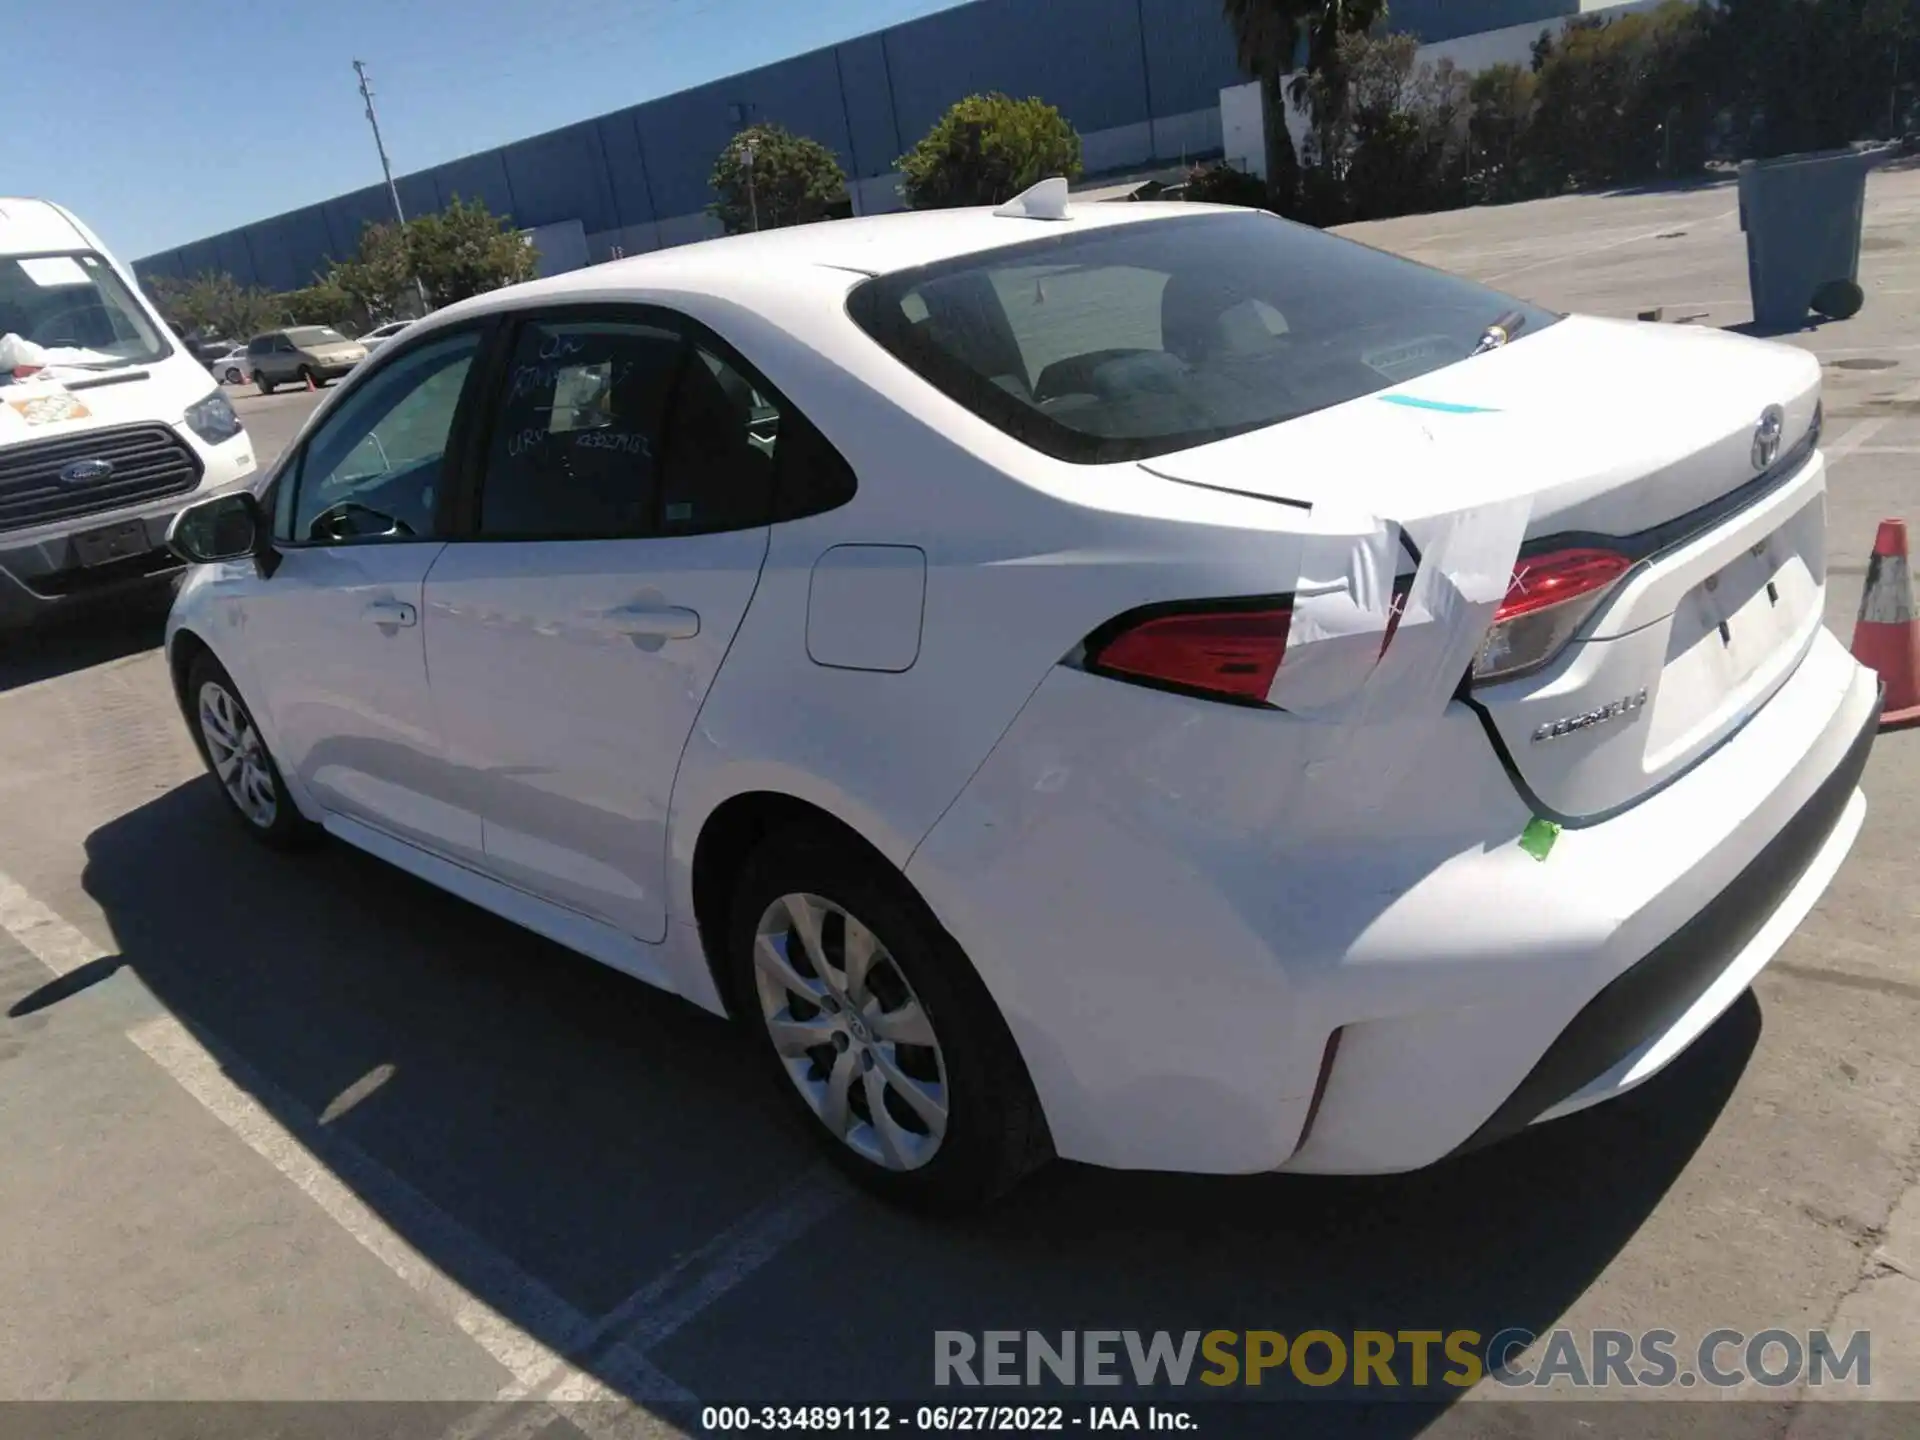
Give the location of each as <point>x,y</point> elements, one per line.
<point>1648,1014</point>
<point>1198,951</point>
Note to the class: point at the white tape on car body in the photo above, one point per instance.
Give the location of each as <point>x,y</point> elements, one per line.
<point>1350,678</point>
<point>1342,601</point>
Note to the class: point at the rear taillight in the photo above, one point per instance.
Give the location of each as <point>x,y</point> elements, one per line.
<point>1551,595</point>
<point>1223,653</point>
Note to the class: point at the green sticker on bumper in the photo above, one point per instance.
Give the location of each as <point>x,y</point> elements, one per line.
<point>1537,839</point>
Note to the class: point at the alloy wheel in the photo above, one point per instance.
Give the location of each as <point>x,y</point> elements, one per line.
<point>851,1033</point>
<point>239,758</point>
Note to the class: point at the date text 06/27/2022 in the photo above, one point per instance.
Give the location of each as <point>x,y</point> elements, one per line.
<point>941,1419</point>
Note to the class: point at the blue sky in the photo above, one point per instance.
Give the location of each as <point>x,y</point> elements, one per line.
<point>158,123</point>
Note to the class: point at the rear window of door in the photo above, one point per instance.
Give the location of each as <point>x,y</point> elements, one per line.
<point>615,428</point>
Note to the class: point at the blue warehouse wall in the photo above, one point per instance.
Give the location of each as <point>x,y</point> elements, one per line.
<point>1139,79</point>
<point>866,83</point>
<point>1082,56</point>
<point>562,175</point>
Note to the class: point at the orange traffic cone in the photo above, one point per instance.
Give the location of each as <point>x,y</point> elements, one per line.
<point>1885,638</point>
<point>310,385</point>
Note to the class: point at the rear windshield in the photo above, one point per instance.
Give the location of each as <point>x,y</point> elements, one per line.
<point>316,335</point>
<point>76,308</point>
<point>1134,341</point>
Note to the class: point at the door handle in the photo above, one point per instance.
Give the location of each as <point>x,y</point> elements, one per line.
<point>391,612</point>
<point>655,622</point>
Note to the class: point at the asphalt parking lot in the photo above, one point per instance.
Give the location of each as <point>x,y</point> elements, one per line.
<point>303,1129</point>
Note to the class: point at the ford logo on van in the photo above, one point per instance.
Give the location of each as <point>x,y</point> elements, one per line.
<point>85,472</point>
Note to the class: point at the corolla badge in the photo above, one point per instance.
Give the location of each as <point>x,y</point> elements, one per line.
<point>86,472</point>
<point>1766,436</point>
<point>1624,708</point>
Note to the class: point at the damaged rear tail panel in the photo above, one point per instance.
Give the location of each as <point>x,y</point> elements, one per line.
<point>1695,639</point>
<point>1681,463</point>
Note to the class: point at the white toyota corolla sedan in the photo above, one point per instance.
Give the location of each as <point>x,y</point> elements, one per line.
<point>1152,684</point>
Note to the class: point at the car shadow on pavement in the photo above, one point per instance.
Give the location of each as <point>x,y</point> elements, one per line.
<point>595,1132</point>
<point>64,645</point>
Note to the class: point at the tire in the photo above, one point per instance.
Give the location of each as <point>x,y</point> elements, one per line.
<point>264,385</point>
<point>223,729</point>
<point>1838,300</point>
<point>233,376</point>
<point>919,983</point>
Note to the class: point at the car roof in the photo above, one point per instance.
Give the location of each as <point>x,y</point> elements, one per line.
<point>867,245</point>
<point>28,227</point>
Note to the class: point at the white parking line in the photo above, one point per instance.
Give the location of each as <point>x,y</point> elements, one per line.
<point>357,1192</point>
<point>52,941</point>
<point>337,1183</point>
<point>655,1311</point>
<point>1861,433</point>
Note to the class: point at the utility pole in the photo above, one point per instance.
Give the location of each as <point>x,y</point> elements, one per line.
<point>393,191</point>
<point>366,94</point>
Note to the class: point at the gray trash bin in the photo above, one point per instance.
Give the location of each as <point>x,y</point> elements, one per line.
<point>1802,215</point>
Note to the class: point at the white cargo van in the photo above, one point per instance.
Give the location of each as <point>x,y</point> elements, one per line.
<point>109,429</point>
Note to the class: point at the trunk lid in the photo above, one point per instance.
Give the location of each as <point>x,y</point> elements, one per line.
<point>1657,441</point>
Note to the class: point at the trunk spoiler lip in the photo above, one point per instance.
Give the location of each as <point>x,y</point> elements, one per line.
<point>1646,545</point>
<point>1641,546</point>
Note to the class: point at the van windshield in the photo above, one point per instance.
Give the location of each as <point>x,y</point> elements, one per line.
<point>76,307</point>
<point>1129,341</point>
<point>316,335</point>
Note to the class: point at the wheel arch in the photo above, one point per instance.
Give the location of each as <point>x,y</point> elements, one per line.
<point>728,836</point>
<point>182,650</point>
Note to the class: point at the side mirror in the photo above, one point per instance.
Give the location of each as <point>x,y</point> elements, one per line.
<point>227,527</point>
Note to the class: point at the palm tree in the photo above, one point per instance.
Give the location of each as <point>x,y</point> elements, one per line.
<point>1270,35</point>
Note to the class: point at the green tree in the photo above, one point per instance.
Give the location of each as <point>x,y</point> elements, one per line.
<point>792,180</point>
<point>1624,99</point>
<point>1276,38</point>
<point>325,302</point>
<point>466,250</point>
<point>1221,184</point>
<point>216,305</point>
<point>1502,99</point>
<point>378,280</point>
<point>1390,133</point>
<point>1813,74</point>
<point>987,149</point>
